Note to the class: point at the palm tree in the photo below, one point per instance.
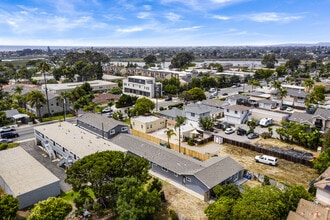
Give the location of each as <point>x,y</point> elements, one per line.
<point>63,98</point>
<point>18,90</point>
<point>281,92</point>
<point>169,133</point>
<point>36,99</point>
<point>308,84</point>
<point>21,99</point>
<point>254,83</point>
<point>179,121</point>
<point>45,67</point>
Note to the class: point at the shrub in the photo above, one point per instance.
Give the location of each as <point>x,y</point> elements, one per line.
<point>3,146</point>
<point>191,142</point>
<point>265,135</point>
<point>173,214</point>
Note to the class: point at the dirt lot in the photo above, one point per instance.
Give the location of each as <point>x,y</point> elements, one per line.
<point>286,171</point>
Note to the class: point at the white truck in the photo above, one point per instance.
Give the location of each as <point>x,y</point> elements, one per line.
<point>265,122</point>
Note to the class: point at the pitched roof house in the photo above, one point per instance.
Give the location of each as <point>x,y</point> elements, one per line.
<point>323,188</point>
<point>199,176</point>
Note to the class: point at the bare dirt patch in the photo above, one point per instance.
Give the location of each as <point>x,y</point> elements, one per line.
<point>286,172</point>
<point>186,205</point>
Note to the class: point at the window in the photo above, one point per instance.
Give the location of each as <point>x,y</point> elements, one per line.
<point>124,129</point>
<point>150,126</point>
<point>141,126</point>
<point>188,179</point>
<point>166,170</point>
<point>192,114</point>
<point>112,131</point>
<point>235,112</point>
<point>227,110</point>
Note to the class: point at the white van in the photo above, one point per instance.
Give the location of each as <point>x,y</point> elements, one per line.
<point>266,160</point>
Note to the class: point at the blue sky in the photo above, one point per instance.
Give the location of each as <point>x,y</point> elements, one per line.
<point>163,22</point>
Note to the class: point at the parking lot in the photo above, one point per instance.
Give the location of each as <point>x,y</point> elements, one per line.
<point>43,158</point>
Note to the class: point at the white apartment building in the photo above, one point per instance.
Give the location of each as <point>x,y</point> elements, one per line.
<point>97,86</point>
<point>142,86</point>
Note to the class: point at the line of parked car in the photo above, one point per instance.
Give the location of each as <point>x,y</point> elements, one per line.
<point>7,133</point>
<point>241,132</point>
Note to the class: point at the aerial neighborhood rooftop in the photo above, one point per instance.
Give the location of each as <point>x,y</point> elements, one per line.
<point>180,121</point>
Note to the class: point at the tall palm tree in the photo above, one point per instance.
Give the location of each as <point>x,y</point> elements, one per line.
<point>179,121</point>
<point>281,92</point>
<point>254,83</point>
<point>308,84</point>
<point>64,98</point>
<point>21,99</point>
<point>169,133</point>
<point>36,99</point>
<point>44,68</point>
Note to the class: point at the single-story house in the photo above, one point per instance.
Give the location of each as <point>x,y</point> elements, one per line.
<point>277,117</point>
<point>266,104</point>
<point>25,178</point>
<point>147,124</point>
<point>238,99</point>
<point>322,186</point>
<point>309,210</point>
<point>102,125</point>
<point>171,115</point>
<point>14,115</point>
<point>320,118</point>
<point>199,176</point>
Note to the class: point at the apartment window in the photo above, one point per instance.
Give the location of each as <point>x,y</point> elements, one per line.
<point>188,179</point>
<point>227,110</point>
<point>236,112</point>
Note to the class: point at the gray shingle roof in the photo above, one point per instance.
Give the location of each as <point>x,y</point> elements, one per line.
<point>266,101</point>
<point>215,103</point>
<point>197,108</point>
<point>323,113</point>
<point>210,172</point>
<point>296,93</point>
<point>238,107</point>
<point>301,117</point>
<point>172,113</point>
<point>97,121</point>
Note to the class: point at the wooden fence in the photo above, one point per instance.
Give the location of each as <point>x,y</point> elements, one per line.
<point>173,146</point>
<point>263,150</point>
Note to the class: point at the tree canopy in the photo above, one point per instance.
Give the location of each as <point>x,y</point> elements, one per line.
<point>51,208</point>
<point>143,106</point>
<point>269,60</point>
<point>181,60</point>
<point>150,59</point>
<point>8,207</point>
<point>194,94</point>
<point>118,181</point>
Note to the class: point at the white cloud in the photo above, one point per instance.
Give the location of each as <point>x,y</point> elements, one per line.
<point>143,15</point>
<point>189,28</point>
<point>272,17</point>
<point>172,16</point>
<point>220,17</point>
<point>147,7</point>
<point>129,30</point>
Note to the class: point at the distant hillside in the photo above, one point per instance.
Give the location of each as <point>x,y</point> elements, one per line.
<point>323,44</point>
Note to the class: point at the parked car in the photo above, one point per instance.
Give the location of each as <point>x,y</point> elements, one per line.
<point>252,135</point>
<point>212,90</point>
<point>106,110</point>
<point>10,134</point>
<point>7,129</point>
<point>229,130</point>
<point>266,122</point>
<point>266,160</point>
<point>241,131</point>
<point>224,94</point>
<point>168,98</point>
<point>289,109</point>
<point>283,107</point>
<point>6,141</point>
